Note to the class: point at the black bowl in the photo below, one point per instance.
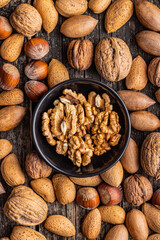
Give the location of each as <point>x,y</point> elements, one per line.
<point>61,163</point>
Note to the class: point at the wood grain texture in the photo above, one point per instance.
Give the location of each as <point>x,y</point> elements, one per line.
<point>21,137</point>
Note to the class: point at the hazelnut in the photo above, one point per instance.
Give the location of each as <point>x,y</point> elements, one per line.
<point>36,70</point>
<point>137,189</point>
<point>80,54</point>
<point>88,198</point>
<point>157,95</point>
<point>2,191</point>
<point>156,198</point>
<point>9,76</point>
<point>35,90</point>
<point>154,71</point>
<point>36,48</point>
<point>26,20</point>
<point>36,167</point>
<point>5,28</point>
<point>110,195</point>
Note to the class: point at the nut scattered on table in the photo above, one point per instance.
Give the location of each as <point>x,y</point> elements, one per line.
<point>154,71</point>
<point>12,97</point>
<point>5,148</point>
<point>80,127</point>
<point>35,90</point>
<point>5,28</point>
<point>24,233</point>
<point>36,70</point>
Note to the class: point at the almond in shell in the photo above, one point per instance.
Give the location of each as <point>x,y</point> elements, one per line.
<point>5,148</point>
<point>4,2</point>
<point>12,97</point>
<point>78,26</point>
<point>118,232</point>
<point>154,237</point>
<point>60,225</point>
<point>25,233</point>
<point>99,6</point>
<point>118,14</point>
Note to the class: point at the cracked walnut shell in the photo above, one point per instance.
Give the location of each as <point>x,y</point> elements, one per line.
<point>80,54</point>
<point>25,207</point>
<point>113,59</point>
<point>26,20</point>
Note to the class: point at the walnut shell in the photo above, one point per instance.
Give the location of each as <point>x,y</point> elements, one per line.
<point>150,152</point>
<point>154,71</point>
<point>36,167</point>
<point>80,54</point>
<point>26,20</point>
<point>137,189</point>
<point>25,207</point>
<point>113,59</point>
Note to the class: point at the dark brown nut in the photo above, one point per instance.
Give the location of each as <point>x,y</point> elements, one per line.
<point>87,197</point>
<point>156,198</point>
<point>36,167</point>
<point>35,90</point>
<point>157,95</point>
<point>137,189</point>
<point>150,152</point>
<point>80,54</point>
<point>154,71</point>
<point>26,20</point>
<point>5,28</point>
<point>36,70</point>
<point>25,207</point>
<point>113,59</point>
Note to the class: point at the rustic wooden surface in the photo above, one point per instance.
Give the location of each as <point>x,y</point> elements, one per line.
<point>21,136</point>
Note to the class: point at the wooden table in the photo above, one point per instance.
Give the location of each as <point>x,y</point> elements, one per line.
<point>21,137</point>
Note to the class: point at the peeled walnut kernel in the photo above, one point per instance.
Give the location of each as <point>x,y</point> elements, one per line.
<point>36,167</point>
<point>80,54</point>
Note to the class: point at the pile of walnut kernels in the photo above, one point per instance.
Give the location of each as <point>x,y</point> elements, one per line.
<point>81,127</point>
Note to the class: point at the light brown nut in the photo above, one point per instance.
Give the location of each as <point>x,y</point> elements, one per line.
<point>4,238</point>
<point>64,188</point>
<point>157,95</point>
<point>137,77</point>
<point>25,233</point>
<point>144,121</point>
<point>48,13</point>
<point>12,97</point>
<point>118,232</point>
<point>25,207</point>
<point>5,28</point>
<point>137,189</point>
<point>35,90</point>
<point>80,54</point>
<point>114,175</point>
<point>98,6</point>
<point>78,26</point>
<point>11,47</point>
<point>60,225</point>
<point>2,190</point>
<point>154,237</point>
<point>36,167</point>
<point>71,7</point>
<point>135,100</point>
<point>110,195</point>
<point>5,148</point>
<point>150,152</point>
<point>88,198</point>
<point>57,73</point>
<point>117,65</point>
<point>148,14</point>
<point>89,181</point>
<point>118,14</point>
<point>11,171</point>
<point>44,187</point>
<point>130,159</point>
<point>4,2</point>
<point>36,48</point>
<point>91,225</point>
<point>152,215</point>
<point>26,20</point>
<point>154,71</point>
<point>11,117</point>
<point>137,225</point>
<point>149,41</point>
<point>112,214</point>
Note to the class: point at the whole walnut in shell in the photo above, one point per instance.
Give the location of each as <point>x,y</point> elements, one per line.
<point>154,71</point>
<point>113,59</point>
<point>25,207</point>
<point>137,189</point>
<point>26,20</point>
<point>150,155</point>
<point>36,167</point>
<point>80,54</point>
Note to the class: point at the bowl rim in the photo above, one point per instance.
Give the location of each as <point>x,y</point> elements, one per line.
<point>83,175</point>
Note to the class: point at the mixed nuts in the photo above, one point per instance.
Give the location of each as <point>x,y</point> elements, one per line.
<point>113,61</point>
